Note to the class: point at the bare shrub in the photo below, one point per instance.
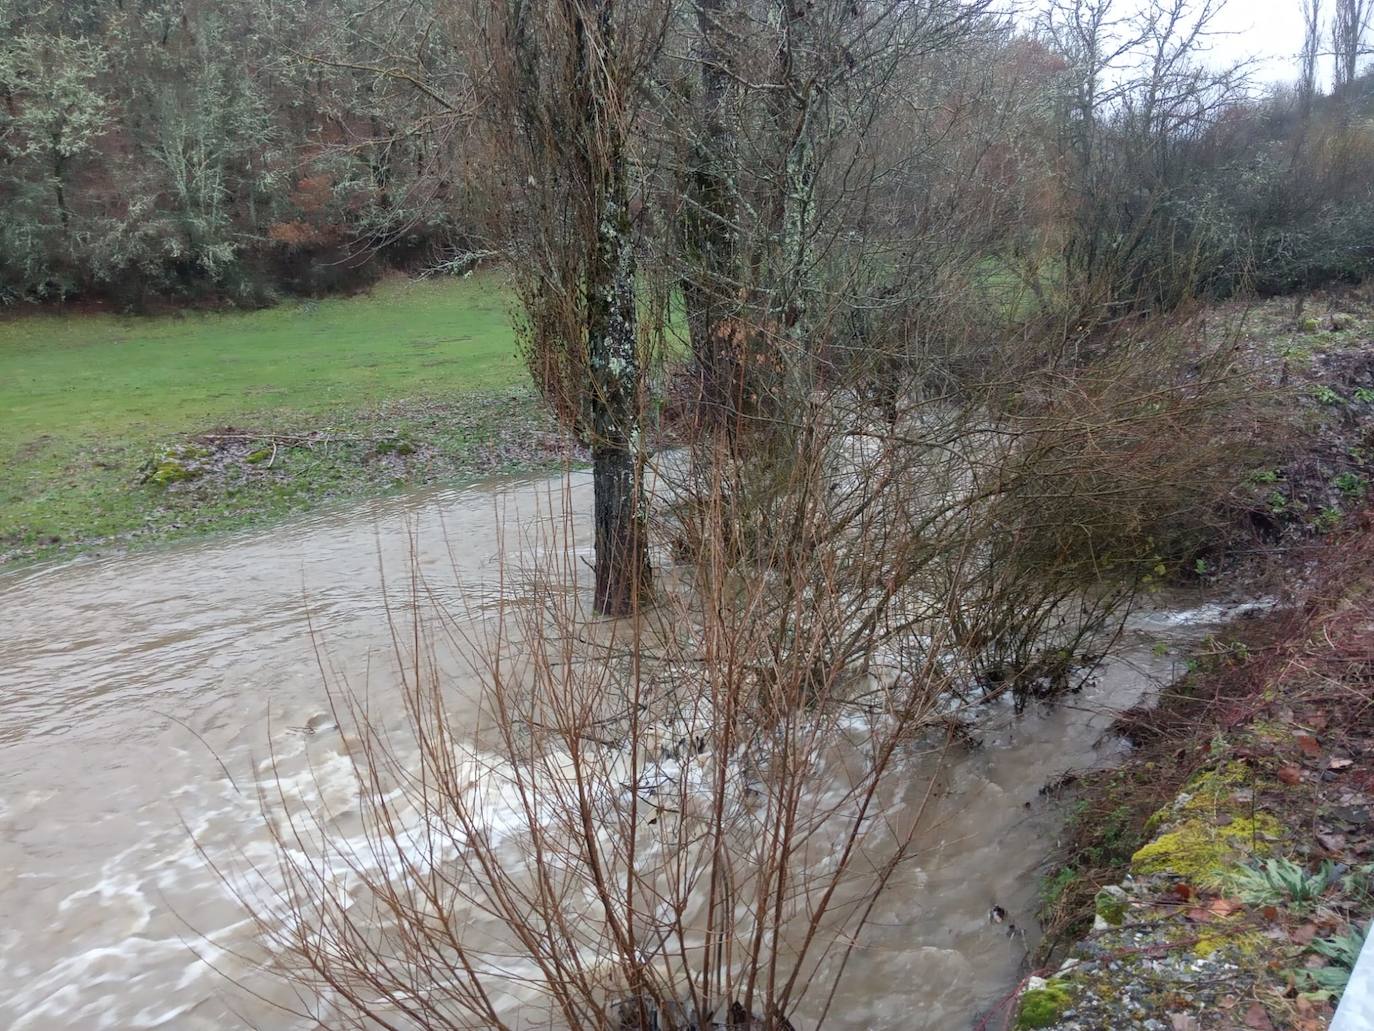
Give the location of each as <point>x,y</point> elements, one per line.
<point>680,821</point>
<point>684,819</point>
<point>1116,468</point>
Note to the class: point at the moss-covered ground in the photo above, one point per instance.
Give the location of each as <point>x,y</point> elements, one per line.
<point>118,429</point>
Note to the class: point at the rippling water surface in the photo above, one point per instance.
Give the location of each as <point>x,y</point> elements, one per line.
<point>140,696</point>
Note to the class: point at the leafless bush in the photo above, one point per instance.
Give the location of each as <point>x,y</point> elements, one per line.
<point>684,819</point>
<point>677,822</point>
<point>1110,467</point>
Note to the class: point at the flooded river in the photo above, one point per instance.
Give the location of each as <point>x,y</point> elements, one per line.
<point>139,696</point>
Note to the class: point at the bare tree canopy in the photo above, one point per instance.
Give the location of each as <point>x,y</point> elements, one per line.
<point>1350,23</point>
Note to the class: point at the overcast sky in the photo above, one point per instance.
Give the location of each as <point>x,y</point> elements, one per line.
<point>1268,30</point>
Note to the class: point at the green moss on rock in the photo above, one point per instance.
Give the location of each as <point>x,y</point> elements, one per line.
<point>1110,905</point>
<point>1228,939</point>
<point>169,471</point>
<point>175,465</point>
<point>1209,792</point>
<point>1210,828</point>
<point>1043,1007</point>
<point>1201,851</point>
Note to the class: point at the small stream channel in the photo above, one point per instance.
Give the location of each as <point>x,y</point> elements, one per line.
<point>139,696</point>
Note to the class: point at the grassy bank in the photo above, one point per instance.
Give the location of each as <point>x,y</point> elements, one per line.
<point>123,429</point>
<point>120,430</point>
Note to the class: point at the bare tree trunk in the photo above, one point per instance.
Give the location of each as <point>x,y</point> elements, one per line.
<point>710,231</point>
<point>612,399</point>
<point>59,178</point>
<point>1311,51</point>
<point>622,568</point>
<point>1348,27</point>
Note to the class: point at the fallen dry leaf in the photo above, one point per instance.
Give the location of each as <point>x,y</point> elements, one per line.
<point>1308,744</point>
<point>1224,907</point>
<point>1184,1022</point>
<point>1256,1018</point>
<point>1340,764</point>
<point>1290,774</point>
<point>1199,915</point>
<point>1332,842</point>
<point>1319,1011</point>
<point>1304,934</point>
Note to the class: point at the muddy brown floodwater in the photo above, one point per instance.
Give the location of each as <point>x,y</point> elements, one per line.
<point>140,696</point>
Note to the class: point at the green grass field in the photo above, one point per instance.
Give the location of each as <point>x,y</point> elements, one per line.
<point>87,400</point>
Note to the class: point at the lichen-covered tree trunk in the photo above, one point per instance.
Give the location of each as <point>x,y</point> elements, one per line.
<point>797,118</point>
<point>799,185</point>
<point>612,401</point>
<point>622,567</point>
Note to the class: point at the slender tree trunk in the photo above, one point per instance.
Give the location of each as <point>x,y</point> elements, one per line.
<point>710,232</point>
<point>1310,54</point>
<point>1348,26</point>
<point>59,176</point>
<point>797,120</point>
<point>612,416</point>
<point>60,196</point>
